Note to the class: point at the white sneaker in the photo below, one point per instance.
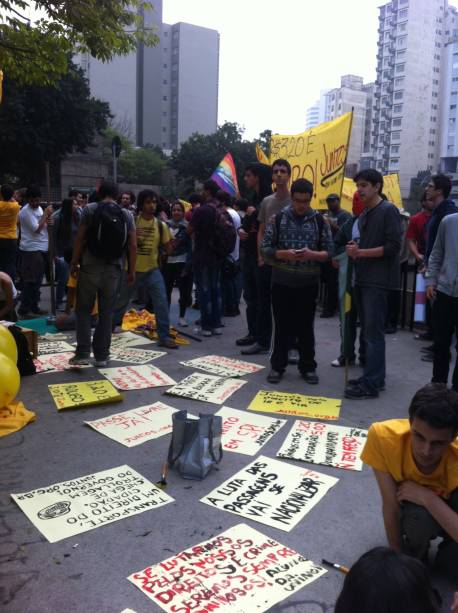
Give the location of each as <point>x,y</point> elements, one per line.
<point>182,322</point>
<point>204,332</point>
<point>217,331</point>
<point>336,363</point>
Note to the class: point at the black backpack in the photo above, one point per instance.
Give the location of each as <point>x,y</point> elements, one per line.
<point>25,363</point>
<point>225,236</point>
<point>107,233</point>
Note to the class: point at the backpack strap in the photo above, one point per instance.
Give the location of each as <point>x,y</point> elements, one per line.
<point>320,225</point>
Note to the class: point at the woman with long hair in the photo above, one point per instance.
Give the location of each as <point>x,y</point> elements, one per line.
<point>65,226</point>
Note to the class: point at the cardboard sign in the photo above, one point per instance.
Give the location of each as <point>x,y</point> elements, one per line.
<point>271,492</point>
<point>136,377</point>
<point>45,347</point>
<point>134,427</point>
<point>71,507</point>
<point>325,444</point>
<point>53,362</point>
<point>132,355</point>
<point>238,571</point>
<point>129,339</point>
<point>206,388</point>
<point>223,367</point>
<point>296,404</point>
<point>247,433</point>
<point>71,395</point>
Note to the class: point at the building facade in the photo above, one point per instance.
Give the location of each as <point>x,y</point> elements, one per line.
<point>312,115</point>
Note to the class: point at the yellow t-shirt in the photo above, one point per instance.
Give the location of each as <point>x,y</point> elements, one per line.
<point>388,449</point>
<point>8,219</point>
<point>148,243</point>
<point>72,283</point>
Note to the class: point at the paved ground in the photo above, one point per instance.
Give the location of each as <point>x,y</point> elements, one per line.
<point>42,577</point>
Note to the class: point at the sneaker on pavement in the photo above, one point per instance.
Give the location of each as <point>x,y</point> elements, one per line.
<point>217,331</point>
<point>100,363</point>
<point>310,376</point>
<point>255,349</point>
<point>202,332</point>
<point>78,360</point>
<point>358,382</point>
<point>245,341</point>
<point>274,376</point>
<point>428,349</point>
<point>423,336</point>
<point>340,361</point>
<point>182,322</point>
<point>168,343</point>
<point>359,392</point>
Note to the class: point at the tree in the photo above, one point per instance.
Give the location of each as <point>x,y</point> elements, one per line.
<point>141,165</point>
<point>198,157</point>
<point>263,141</point>
<point>38,52</point>
<point>39,124</point>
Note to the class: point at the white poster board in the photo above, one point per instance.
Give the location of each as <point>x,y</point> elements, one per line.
<point>245,432</point>
<point>222,366</point>
<point>133,355</point>
<point>45,347</point>
<point>207,388</point>
<point>238,571</point>
<point>136,377</point>
<point>71,507</point>
<point>53,362</point>
<point>271,492</point>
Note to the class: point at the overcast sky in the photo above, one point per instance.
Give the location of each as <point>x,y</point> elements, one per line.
<point>276,55</point>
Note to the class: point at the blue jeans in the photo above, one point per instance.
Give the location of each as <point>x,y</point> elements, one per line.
<point>152,282</point>
<point>208,283</point>
<point>62,273</point>
<point>372,307</point>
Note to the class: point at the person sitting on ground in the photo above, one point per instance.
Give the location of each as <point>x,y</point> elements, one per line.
<point>384,581</point>
<point>415,462</point>
<point>8,295</point>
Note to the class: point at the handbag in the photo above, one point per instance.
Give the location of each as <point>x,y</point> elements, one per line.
<point>196,446</point>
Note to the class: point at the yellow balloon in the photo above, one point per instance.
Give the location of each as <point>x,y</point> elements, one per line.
<point>8,345</point>
<point>9,380</point>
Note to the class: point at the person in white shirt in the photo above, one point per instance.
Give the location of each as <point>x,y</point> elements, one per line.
<point>231,273</point>
<point>33,248</point>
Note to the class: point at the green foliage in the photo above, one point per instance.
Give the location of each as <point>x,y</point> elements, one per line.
<point>37,53</point>
<point>198,157</point>
<point>263,141</point>
<point>141,165</point>
<point>39,124</point>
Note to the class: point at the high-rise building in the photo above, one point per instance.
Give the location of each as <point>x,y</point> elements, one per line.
<point>312,115</point>
<point>352,94</point>
<point>411,81</point>
<point>161,95</point>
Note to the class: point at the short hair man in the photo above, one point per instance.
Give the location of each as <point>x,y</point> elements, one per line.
<point>375,249</point>
<point>438,191</point>
<point>415,462</point>
<point>296,240</point>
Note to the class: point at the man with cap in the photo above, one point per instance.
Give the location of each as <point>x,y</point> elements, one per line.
<point>336,218</point>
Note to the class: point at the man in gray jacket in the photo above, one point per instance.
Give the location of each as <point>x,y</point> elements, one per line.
<point>442,287</point>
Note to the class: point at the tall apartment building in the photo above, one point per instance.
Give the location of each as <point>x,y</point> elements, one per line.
<point>411,81</point>
<point>161,95</point>
<point>312,115</point>
<point>352,94</point>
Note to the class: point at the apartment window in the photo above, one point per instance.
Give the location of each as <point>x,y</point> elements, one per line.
<point>397,108</point>
<point>432,131</point>
<point>395,136</point>
<point>175,35</point>
<point>398,95</point>
<point>164,129</point>
<point>175,51</point>
<point>394,148</point>
<point>402,27</point>
<point>454,92</point>
<point>394,162</point>
<point>451,120</point>
<point>400,55</point>
<point>386,74</point>
<point>164,65</point>
<point>399,82</point>
<point>400,67</point>
<point>435,94</point>
<point>455,79</point>
<point>174,67</point>
<point>452,107</point>
<point>164,82</point>
<point>434,107</point>
<point>166,33</point>
<point>164,98</point>
<point>396,123</point>
<point>402,41</point>
<point>165,49</point>
<point>164,113</point>
<point>403,13</point>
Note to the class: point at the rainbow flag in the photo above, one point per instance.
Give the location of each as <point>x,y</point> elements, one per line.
<point>225,175</point>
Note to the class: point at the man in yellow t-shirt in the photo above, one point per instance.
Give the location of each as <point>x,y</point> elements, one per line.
<point>415,462</point>
<point>153,239</point>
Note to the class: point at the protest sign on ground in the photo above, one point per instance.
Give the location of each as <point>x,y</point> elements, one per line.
<point>134,427</point>
<point>129,339</point>
<point>207,388</point>
<point>132,355</point>
<point>68,508</point>
<point>287,403</point>
<point>271,492</point>
<point>45,347</point>
<point>53,362</point>
<point>222,366</point>
<point>238,571</point>
<point>85,393</point>
<point>326,444</point>
<point>136,377</point>
<point>246,433</point>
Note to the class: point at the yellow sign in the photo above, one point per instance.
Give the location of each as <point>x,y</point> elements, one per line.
<point>391,189</point>
<point>296,404</point>
<point>72,395</point>
<point>318,155</point>
<point>262,157</point>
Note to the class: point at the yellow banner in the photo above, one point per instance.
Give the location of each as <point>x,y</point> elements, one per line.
<point>296,404</point>
<point>262,157</point>
<point>391,189</point>
<point>72,395</point>
<point>318,155</point>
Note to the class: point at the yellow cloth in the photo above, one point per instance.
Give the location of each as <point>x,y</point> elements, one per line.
<point>144,322</point>
<point>72,283</point>
<point>14,416</point>
<point>388,449</point>
<point>148,242</point>
<point>8,219</point>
